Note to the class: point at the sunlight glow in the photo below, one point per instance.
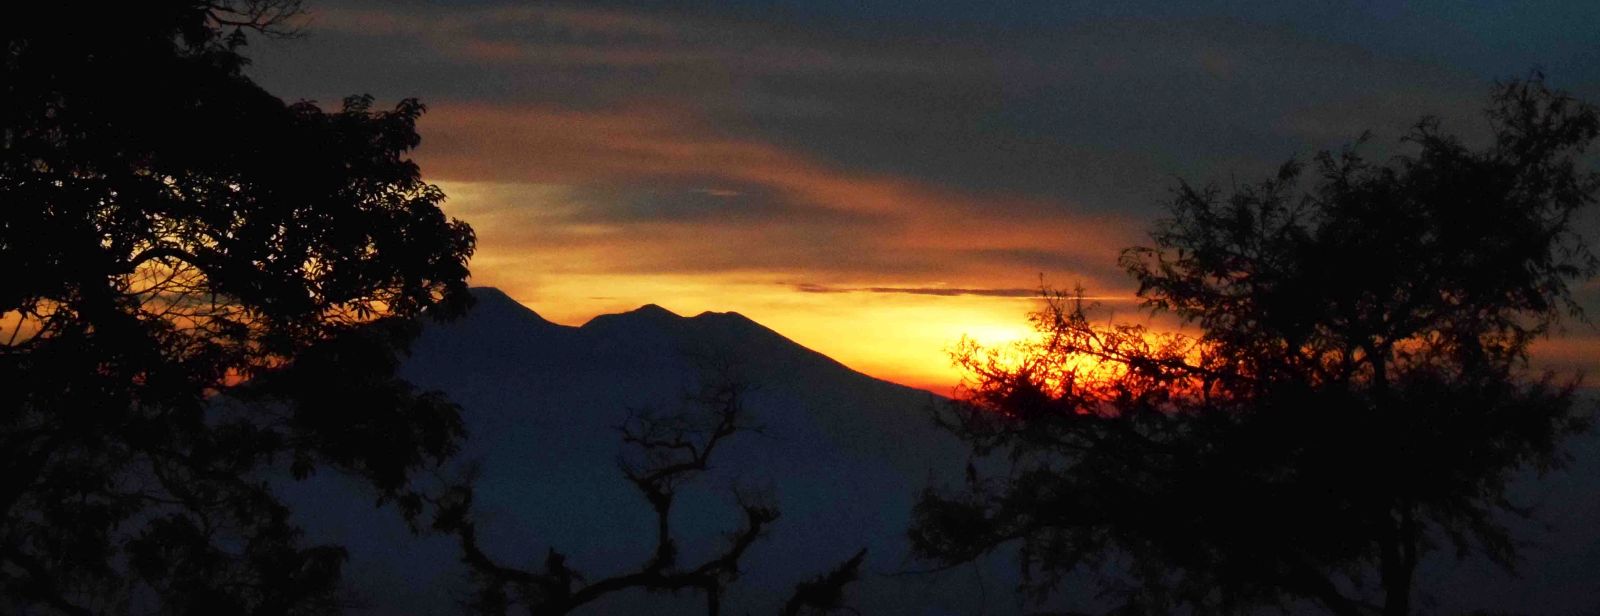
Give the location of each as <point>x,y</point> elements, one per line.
<point>902,338</point>
<point>528,248</point>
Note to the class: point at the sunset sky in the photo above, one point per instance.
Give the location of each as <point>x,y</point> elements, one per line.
<point>876,180</point>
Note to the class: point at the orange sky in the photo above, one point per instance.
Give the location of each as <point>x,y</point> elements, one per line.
<point>882,273</point>
<point>875,184</point>
<point>536,244</point>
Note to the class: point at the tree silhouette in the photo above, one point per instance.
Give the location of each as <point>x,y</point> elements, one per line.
<point>1356,394</point>
<point>665,452</point>
<point>202,283</point>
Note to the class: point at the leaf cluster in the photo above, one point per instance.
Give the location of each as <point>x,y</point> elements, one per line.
<point>1356,395</point>
<point>203,283</point>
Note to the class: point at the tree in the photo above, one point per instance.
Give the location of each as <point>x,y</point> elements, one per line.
<point>666,452</point>
<point>1356,393</point>
<point>203,283</point>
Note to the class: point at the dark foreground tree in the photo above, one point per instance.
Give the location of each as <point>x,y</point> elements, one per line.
<point>1356,396</point>
<point>202,283</point>
<point>665,452</point>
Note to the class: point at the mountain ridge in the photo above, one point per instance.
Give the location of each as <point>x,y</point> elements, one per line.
<point>843,453</point>
<point>721,325</point>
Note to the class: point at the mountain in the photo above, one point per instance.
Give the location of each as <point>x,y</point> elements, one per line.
<point>843,453</point>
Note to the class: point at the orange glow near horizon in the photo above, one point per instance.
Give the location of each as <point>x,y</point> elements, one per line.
<point>533,247</point>
<point>587,212</point>
<point>537,245</point>
<point>900,338</point>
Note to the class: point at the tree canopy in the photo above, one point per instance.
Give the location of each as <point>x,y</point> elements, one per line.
<point>203,282</point>
<point>1355,395</point>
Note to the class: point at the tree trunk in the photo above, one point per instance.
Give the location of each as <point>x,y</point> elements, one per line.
<point>1399,565</point>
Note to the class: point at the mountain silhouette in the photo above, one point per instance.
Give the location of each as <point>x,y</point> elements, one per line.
<point>843,453</point>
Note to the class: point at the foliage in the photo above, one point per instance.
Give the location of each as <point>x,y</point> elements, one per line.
<point>1355,396</point>
<point>202,282</point>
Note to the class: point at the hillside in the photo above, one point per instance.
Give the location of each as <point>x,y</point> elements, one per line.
<point>843,453</point>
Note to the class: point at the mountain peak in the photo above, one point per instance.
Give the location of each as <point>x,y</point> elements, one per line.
<point>711,314</point>
<point>489,294</point>
<point>654,311</point>
<point>492,301</point>
<point>730,317</point>
<point>649,316</point>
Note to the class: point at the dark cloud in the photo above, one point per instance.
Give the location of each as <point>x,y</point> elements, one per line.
<point>1088,107</point>
<point>927,139</point>
<point>932,158</point>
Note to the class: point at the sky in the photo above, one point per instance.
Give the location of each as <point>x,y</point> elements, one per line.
<point>876,180</point>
